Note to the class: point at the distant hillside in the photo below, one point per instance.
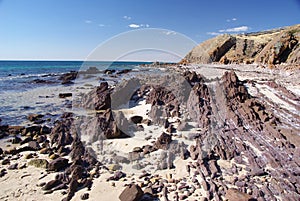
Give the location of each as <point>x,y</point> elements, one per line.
<point>267,47</point>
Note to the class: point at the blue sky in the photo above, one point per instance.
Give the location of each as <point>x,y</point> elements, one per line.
<point>72,29</point>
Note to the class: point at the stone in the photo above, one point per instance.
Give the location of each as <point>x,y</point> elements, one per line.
<point>39,163</point>
<point>236,195</point>
<point>34,145</point>
<point>131,193</point>
<point>84,196</point>
<point>136,119</point>
<point>58,164</point>
<point>5,161</point>
<point>163,141</point>
<point>13,166</point>
<point>34,117</point>
<point>68,77</point>
<point>51,184</point>
<point>117,176</point>
<point>114,167</point>
<point>64,95</point>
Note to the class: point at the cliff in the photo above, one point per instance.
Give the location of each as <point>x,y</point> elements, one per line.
<point>267,47</point>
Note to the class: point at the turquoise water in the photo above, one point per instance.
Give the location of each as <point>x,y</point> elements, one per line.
<point>18,75</point>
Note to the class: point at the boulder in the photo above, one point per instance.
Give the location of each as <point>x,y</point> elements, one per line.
<point>58,164</point>
<point>136,119</point>
<point>163,141</point>
<point>131,193</point>
<point>39,163</point>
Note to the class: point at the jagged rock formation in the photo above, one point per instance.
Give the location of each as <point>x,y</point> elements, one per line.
<point>243,130</point>
<point>269,47</point>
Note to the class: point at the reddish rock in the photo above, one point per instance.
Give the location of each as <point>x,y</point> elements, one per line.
<point>163,141</point>
<point>236,195</point>
<point>131,193</point>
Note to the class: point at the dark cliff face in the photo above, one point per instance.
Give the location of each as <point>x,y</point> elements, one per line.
<point>268,47</point>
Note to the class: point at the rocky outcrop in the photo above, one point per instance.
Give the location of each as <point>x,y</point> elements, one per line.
<point>236,130</point>
<point>268,47</point>
<point>211,50</point>
<point>97,99</point>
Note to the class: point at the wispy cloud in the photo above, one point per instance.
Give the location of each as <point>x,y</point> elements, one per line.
<point>135,26</point>
<point>239,29</point>
<point>232,19</point>
<point>213,33</point>
<point>127,17</point>
<point>88,21</point>
<point>169,33</point>
<point>101,25</point>
<point>235,29</point>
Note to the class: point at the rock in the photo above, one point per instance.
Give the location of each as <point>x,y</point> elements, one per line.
<point>13,130</point>
<point>97,99</point>
<point>91,70</point>
<point>131,193</point>
<point>45,150</point>
<point>136,119</point>
<point>39,163</point>
<point>51,184</point>
<point>236,195</point>
<point>34,145</point>
<point>121,159</point>
<point>163,141</point>
<point>117,176</point>
<point>40,81</point>
<point>84,196</point>
<point>211,50</point>
<point>183,126</point>
<point>67,77</point>
<point>58,164</point>
<point>3,172</point>
<point>13,166</point>
<point>1,151</point>
<point>64,95</point>
<point>16,140</point>
<point>134,156</point>
<point>114,167</point>
<point>266,47</point>
<point>5,161</point>
<point>258,172</point>
<point>53,156</point>
<point>34,117</point>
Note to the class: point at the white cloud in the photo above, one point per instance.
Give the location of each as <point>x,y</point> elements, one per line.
<point>88,21</point>
<point>169,33</point>
<point>126,17</point>
<point>213,33</point>
<point>235,29</point>
<point>101,25</point>
<point>232,19</point>
<point>134,26</point>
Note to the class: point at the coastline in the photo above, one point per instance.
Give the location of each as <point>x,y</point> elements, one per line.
<point>186,180</point>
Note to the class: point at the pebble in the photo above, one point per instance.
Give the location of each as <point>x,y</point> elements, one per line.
<point>84,196</point>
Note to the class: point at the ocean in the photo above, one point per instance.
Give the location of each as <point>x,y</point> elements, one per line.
<point>28,87</point>
<point>19,75</point>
